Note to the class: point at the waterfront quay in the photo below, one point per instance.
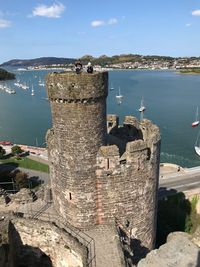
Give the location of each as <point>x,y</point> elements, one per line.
<point>35,152</point>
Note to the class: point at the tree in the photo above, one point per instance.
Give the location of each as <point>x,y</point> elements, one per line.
<point>5,75</point>
<point>2,152</point>
<point>16,150</point>
<point>21,179</point>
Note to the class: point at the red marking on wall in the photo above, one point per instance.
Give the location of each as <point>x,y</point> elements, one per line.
<point>100,213</point>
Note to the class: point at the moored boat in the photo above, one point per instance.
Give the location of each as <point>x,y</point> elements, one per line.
<point>142,106</point>
<point>197,145</point>
<point>119,97</point>
<point>196,122</point>
<point>32,91</point>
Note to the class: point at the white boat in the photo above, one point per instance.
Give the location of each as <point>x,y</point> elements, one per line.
<point>196,122</point>
<point>41,83</point>
<point>142,106</point>
<point>119,97</point>
<point>10,91</point>
<point>24,86</point>
<point>32,91</point>
<point>197,149</point>
<point>111,88</point>
<point>197,145</point>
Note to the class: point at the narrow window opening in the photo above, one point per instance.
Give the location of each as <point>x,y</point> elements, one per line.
<point>123,161</point>
<point>70,196</point>
<point>148,154</point>
<point>108,164</point>
<point>138,165</point>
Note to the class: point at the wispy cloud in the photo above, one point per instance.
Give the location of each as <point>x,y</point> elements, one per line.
<point>53,11</point>
<point>97,23</point>
<point>196,12</point>
<point>5,23</point>
<point>112,21</point>
<point>188,24</point>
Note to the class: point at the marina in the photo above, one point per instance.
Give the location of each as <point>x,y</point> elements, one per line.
<point>170,101</point>
<point>6,89</point>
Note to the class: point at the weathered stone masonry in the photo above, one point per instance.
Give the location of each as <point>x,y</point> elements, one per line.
<point>78,104</point>
<point>97,177</point>
<point>127,177</point>
<point>36,243</point>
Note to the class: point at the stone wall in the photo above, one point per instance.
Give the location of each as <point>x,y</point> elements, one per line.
<point>179,251</point>
<point>127,182</point>
<point>79,129</point>
<point>36,243</point>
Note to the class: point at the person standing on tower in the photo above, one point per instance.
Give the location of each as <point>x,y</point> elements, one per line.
<point>89,67</point>
<point>78,66</point>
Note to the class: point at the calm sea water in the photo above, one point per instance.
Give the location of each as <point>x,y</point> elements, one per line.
<point>170,98</point>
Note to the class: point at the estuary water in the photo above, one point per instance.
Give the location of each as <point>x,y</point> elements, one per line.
<point>170,98</point>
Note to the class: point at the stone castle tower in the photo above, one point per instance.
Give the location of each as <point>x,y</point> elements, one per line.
<point>101,172</point>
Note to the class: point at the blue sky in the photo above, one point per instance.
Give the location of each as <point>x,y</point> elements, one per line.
<point>73,28</point>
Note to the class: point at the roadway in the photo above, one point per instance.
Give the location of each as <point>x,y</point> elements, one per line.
<point>180,182</point>
<point>40,177</point>
<point>168,184</point>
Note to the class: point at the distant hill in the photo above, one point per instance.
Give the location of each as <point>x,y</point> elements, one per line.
<point>102,60</point>
<point>106,60</point>
<point>37,61</point>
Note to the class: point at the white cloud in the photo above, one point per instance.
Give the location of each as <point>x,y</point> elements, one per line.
<point>196,12</point>
<point>5,23</point>
<point>112,21</point>
<point>97,23</point>
<point>53,11</point>
<point>188,24</point>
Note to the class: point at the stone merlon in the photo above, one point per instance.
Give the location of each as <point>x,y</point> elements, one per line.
<point>109,151</point>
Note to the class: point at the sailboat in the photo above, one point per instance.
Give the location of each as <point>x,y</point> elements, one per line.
<point>41,83</point>
<point>32,91</point>
<point>197,145</point>
<point>142,106</point>
<point>196,122</point>
<point>111,88</point>
<point>119,97</point>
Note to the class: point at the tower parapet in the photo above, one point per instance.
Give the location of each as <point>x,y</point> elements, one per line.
<point>70,87</point>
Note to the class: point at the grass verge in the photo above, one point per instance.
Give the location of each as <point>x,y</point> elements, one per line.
<point>27,163</point>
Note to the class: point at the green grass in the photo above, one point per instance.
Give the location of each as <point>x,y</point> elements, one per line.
<point>27,163</point>
<point>190,71</point>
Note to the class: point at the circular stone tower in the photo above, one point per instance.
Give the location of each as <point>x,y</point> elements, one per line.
<point>78,106</point>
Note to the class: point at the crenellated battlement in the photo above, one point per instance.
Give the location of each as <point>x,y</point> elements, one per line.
<point>145,136</point>
<point>133,135</point>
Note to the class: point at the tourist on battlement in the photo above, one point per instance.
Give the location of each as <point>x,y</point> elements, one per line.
<point>78,66</point>
<point>89,67</point>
